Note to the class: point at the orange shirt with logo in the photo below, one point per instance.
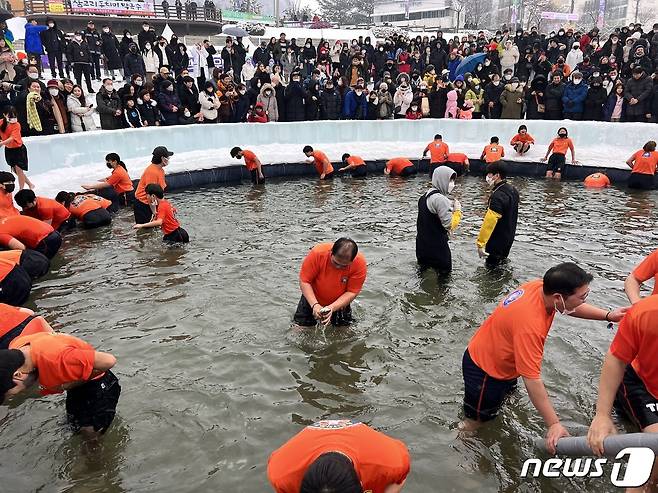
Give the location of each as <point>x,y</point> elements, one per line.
<point>493,153</point>
<point>25,229</point>
<point>378,460</point>
<point>120,180</point>
<point>355,161</point>
<point>397,164</point>
<point>510,343</point>
<point>438,151</point>
<point>10,317</point>
<point>329,282</point>
<point>12,130</point>
<point>82,204</point>
<point>647,269</point>
<point>524,138</point>
<point>167,213</point>
<point>250,160</point>
<point>561,146</point>
<point>457,157</point>
<point>48,210</point>
<point>59,359</point>
<point>152,174</point>
<point>319,160</point>
<point>636,341</point>
<point>645,162</point>
<point>7,207</point>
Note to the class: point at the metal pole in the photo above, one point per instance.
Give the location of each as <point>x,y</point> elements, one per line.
<point>277,15</point>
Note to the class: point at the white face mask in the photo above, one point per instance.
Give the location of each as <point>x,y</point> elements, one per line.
<point>51,25</point>
<point>53,91</point>
<point>496,82</point>
<point>187,114</point>
<point>13,120</point>
<point>138,83</point>
<point>106,30</point>
<point>577,81</point>
<point>564,310</point>
<point>33,76</point>
<point>130,36</point>
<point>490,180</point>
<point>78,38</point>
<point>451,186</point>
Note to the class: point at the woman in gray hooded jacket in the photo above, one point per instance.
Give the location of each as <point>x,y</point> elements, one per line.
<point>437,216</point>
<point>267,98</point>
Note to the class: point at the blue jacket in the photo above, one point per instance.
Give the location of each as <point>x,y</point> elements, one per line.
<point>452,68</point>
<point>573,97</point>
<point>355,107</point>
<point>33,38</point>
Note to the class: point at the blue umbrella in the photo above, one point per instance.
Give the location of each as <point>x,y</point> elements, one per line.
<point>469,63</point>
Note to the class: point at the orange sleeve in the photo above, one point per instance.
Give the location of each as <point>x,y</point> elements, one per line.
<point>531,139</point>
<point>514,139</point>
<point>528,353</point>
<point>164,209</point>
<point>310,268</point>
<point>648,268</point>
<point>358,277</point>
<point>625,345</point>
<point>113,179</point>
<point>5,239</point>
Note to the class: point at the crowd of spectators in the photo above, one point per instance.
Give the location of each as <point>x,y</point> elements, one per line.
<point>148,80</point>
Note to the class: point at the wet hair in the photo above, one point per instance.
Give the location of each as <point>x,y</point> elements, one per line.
<point>522,127</point>
<point>343,243</point>
<point>497,168</point>
<point>649,146</point>
<point>10,361</point>
<point>344,157</point>
<point>234,151</point>
<point>65,198</point>
<point>565,131</point>
<point>494,140</point>
<point>565,278</point>
<point>154,189</point>
<point>331,473</point>
<point>24,197</point>
<point>6,176</point>
<point>307,149</point>
<point>438,136</point>
<point>9,112</point>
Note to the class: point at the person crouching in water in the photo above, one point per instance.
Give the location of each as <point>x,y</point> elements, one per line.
<point>86,208</point>
<point>437,216</point>
<point>165,216</point>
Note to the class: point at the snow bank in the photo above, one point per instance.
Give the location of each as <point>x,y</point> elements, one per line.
<point>63,162</point>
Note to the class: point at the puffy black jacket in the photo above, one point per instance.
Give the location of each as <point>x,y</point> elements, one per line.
<point>330,105</point>
<point>133,63</point>
<point>553,97</point>
<point>79,53</point>
<point>53,40</point>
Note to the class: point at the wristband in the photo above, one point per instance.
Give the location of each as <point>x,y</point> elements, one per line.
<point>313,305</point>
<point>606,317</point>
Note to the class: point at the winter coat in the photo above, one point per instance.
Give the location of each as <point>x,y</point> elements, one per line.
<point>241,108</point>
<point>150,61</point>
<point>79,53</point>
<point>642,90</point>
<point>596,98</point>
<point>438,101</point>
<point>451,105</point>
<point>509,57</point>
<point>82,119</point>
<point>538,86</point>
<point>553,97</point>
<point>106,105</point>
<point>512,101</point>
<point>402,99</point>
<point>492,94</point>
<point>385,106</point>
<point>145,37</point>
<point>93,39</point>
<point>279,92</point>
<point>110,49</point>
<point>181,61</point>
<point>149,113</point>
<point>53,40</point>
<point>33,38</point>
<point>269,103</point>
<point>133,63</point>
<point>189,98</point>
<point>166,101</point>
<point>355,107</point>
<point>294,98</point>
<point>573,99</point>
<point>330,105</point>
<point>209,105</point>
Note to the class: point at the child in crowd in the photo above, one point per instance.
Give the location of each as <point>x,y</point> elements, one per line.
<point>165,216</point>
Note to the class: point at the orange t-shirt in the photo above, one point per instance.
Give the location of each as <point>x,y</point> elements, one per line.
<point>636,341</point>
<point>510,343</point>
<point>7,207</point>
<point>493,153</point>
<point>438,151</point>
<point>328,282</point>
<point>6,266</point>
<point>561,146</point>
<point>378,460</point>
<point>25,229</point>
<point>152,174</point>
<point>250,160</point>
<point>457,157</point>
<point>397,164</point>
<point>647,269</point>
<point>355,161</point>
<point>12,255</point>
<point>120,180</point>
<point>12,130</point>
<point>48,210</point>
<point>59,359</point>
<point>82,204</point>
<point>645,162</point>
<point>10,317</point>
<point>597,180</point>
<point>525,138</point>
<point>167,213</point>
<point>319,160</point>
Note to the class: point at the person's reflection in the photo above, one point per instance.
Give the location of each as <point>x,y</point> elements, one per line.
<point>321,192</point>
<point>640,206</point>
<point>555,196</point>
<point>493,282</point>
<point>255,197</point>
<point>434,290</point>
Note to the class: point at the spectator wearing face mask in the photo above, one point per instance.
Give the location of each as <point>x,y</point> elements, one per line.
<point>81,113</point>
<point>60,112</point>
<point>148,109</point>
<point>294,99</point>
<point>573,98</point>
<point>402,97</point>
<point>575,56</point>
<point>110,51</point>
<point>553,98</point>
<point>267,98</point>
<point>108,105</point>
<point>133,64</point>
<point>78,54</point>
<point>492,92</point>
<point>596,98</point>
<point>54,42</point>
<point>512,99</point>
<point>355,106</point>
<point>509,57</point>
<point>168,103</point>
<point>638,93</point>
<point>33,45</point>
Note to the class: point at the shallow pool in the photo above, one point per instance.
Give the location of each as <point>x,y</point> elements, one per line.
<point>214,379</point>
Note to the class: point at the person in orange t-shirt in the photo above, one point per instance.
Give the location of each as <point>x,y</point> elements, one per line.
<point>522,141</point>
<point>154,173</point>
<point>22,232</point>
<point>44,209</point>
<point>252,163</point>
<point>7,187</point>
<point>58,363</point>
<point>165,217</point>
<point>399,166</point>
<point>643,167</point>
<point>629,377</point>
<point>87,208</point>
<point>558,161</point>
<point>321,162</point>
<point>331,277</point>
<point>647,269</point>
<point>15,150</point>
<point>458,162</point>
<point>15,283</point>
<point>342,456</point>
<point>36,264</point>
<point>438,150</point>
<point>119,181</point>
<point>510,344</point>
<point>492,152</point>
<point>16,322</point>
<point>354,164</point>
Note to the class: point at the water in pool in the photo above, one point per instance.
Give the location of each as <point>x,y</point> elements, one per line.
<point>214,378</point>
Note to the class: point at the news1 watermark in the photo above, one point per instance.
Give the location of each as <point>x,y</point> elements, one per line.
<point>639,463</point>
